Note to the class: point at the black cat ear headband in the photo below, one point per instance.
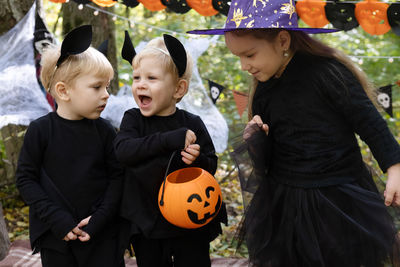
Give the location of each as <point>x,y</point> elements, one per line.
<point>75,42</point>
<point>174,47</point>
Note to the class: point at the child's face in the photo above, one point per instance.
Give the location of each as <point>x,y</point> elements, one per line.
<point>154,88</point>
<point>259,57</point>
<point>87,97</point>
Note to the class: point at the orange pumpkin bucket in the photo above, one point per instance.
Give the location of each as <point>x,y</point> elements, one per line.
<point>189,198</point>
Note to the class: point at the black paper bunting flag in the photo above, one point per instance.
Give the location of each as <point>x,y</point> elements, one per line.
<point>222,6</point>
<point>341,15</point>
<point>393,14</point>
<point>177,6</point>
<point>384,97</point>
<point>215,90</point>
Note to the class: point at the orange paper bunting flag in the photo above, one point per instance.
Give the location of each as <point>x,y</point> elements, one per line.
<point>240,100</point>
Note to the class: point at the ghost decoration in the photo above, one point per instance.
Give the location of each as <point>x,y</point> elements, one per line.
<point>384,98</point>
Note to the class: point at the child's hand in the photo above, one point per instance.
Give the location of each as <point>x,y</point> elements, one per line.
<point>251,127</point>
<point>190,153</point>
<point>84,236</point>
<point>392,192</point>
<point>190,138</point>
<point>73,234</point>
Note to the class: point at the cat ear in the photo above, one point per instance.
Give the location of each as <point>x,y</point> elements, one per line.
<point>75,42</point>
<point>177,52</point>
<point>128,51</point>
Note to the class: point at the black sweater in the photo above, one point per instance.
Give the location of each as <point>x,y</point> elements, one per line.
<point>67,171</point>
<point>314,111</point>
<point>144,145</point>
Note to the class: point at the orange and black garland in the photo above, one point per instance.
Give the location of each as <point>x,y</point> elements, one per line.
<point>374,16</point>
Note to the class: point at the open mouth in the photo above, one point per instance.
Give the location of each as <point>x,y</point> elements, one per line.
<point>144,100</point>
<point>102,107</point>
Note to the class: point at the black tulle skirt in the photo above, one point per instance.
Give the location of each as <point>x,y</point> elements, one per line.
<point>345,225</point>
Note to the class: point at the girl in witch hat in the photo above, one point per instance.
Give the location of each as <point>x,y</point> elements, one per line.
<point>147,143</point>
<point>315,203</point>
<point>67,170</point>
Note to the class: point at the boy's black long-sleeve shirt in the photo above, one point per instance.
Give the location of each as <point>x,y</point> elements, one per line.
<point>144,145</point>
<point>67,171</point>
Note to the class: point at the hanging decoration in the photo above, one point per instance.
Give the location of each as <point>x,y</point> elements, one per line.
<point>203,7</point>
<point>312,13</point>
<point>82,2</point>
<point>341,15</point>
<point>222,6</point>
<point>240,100</point>
<point>375,17</point>
<point>215,90</point>
<point>372,16</point>
<point>130,3</point>
<point>384,98</point>
<point>152,5</point>
<point>177,6</point>
<point>393,14</point>
<point>105,3</point>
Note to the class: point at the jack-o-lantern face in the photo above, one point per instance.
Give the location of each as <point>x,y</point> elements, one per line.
<point>341,15</point>
<point>372,16</point>
<point>191,198</point>
<point>312,13</point>
<point>203,7</point>
<point>202,213</point>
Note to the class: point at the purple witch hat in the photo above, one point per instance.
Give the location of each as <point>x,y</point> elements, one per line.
<point>262,14</point>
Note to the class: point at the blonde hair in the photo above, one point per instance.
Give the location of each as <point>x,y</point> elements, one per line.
<point>156,48</point>
<point>302,42</point>
<point>90,61</point>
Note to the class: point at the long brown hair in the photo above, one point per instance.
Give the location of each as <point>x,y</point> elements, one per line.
<point>301,41</point>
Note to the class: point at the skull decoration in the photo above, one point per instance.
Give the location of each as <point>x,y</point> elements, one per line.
<point>384,100</point>
<point>372,16</point>
<point>312,13</point>
<point>214,92</point>
<point>192,198</point>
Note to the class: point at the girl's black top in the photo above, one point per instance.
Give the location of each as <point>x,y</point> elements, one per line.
<point>144,145</point>
<point>313,111</point>
<point>67,171</point>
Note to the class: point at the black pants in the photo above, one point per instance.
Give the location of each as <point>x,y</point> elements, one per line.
<point>176,252</point>
<point>94,253</point>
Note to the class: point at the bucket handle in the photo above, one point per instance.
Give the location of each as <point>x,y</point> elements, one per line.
<point>165,178</point>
